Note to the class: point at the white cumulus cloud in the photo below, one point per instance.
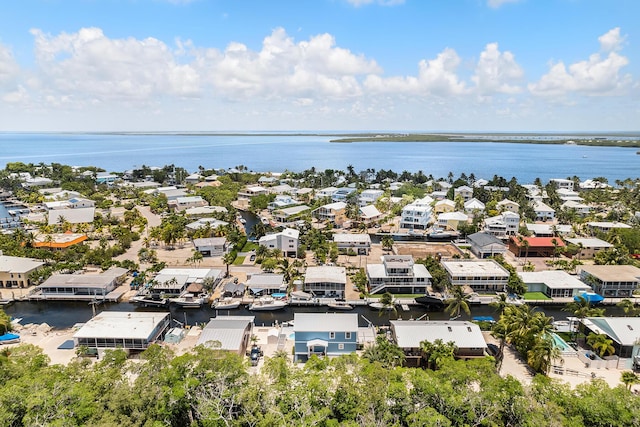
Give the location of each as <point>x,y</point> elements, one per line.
<point>611,41</point>
<point>597,75</point>
<point>497,72</point>
<point>435,77</point>
<point>9,69</point>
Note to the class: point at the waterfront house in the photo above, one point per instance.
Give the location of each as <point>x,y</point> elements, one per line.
<point>105,178</point>
<point>324,334</point>
<point>463,191</point>
<point>286,241</point>
<point>417,215</point>
<point>228,333</point>
<point>81,287</point>
<point>480,275</point>
<point>174,281</point>
<point>281,189</point>
<point>398,274</point>
<point>444,205</point>
<point>503,225</point>
<point>130,331</point>
<point>333,213</point>
<point>569,195</point>
<point>623,331</point>
<point>611,281</point>
<point>15,271</point>
<point>267,284</point>
<point>290,214</point>
<point>580,208</point>
<point>252,191</point>
<point>466,336</point>
<point>210,223</point>
<point>508,205</point>
<point>359,243</point>
<point>75,210</point>
<point>325,280</point>
<point>451,220</point>
<point>535,193</point>
<point>325,192</point>
<point>536,246</point>
<point>554,283</point>
<point>205,210</point>
<point>342,194</point>
<point>281,201</point>
<point>484,245</point>
<point>589,247</point>
<point>543,211</point>
<point>591,184</point>
<point>211,246</point>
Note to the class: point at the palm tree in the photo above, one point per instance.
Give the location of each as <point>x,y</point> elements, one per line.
<point>542,354</point>
<point>438,352</point>
<point>601,343</point>
<point>388,304</point>
<point>458,301</point>
<point>629,378</point>
<point>500,303</point>
<point>387,243</point>
<point>627,306</point>
<point>228,259</point>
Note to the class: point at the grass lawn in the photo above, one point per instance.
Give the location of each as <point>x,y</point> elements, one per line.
<point>535,296</point>
<point>239,260</point>
<point>249,246</point>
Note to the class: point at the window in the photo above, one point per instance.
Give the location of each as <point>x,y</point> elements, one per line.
<point>332,335</point>
<point>347,335</point>
<point>341,346</point>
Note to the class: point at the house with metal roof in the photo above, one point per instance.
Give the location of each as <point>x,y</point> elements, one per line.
<point>611,281</point>
<point>324,334</point>
<point>408,334</point>
<point>359,243</point>
<point>522,246</point>
<point>485,245</point>
<point>130,331</point>
<point>480,275</point>
<point>325,280</point>
<point>228,333</point>
<point>589,247</point>
<point>211,246</point>
<point>81,287</point>
<point>267,284</point>
<point>398,274</point>
<point>554,283</point>
<point>623,331</point>
<point>285,241</point>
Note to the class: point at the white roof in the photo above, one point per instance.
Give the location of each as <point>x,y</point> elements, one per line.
<point>547,228</point>
<point>591,243</point>
<point>409,333</point>
<point>480,268</point>
<point>229,331</point>
<point>474,204</point>
<point>605,224</point>
<point>623,330</point>
<point>325,273</point>
<point>335,206</point>
<point>348,238</point>
<point>539,206</point>
<point>266,280</point>
<point>553,279</point>
<point>445,202</point>
<point>325,322</point>
<point>194,274</point>
<point>14,264</point>
<point>72,216</point>
<point>453,216</point>
<point>122,324</point>
<point>507,202</point>
<point>616,273</point>
<point>203,210</point>
<point>369,211</point>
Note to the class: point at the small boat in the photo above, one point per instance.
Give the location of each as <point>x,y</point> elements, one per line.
<point>381,306</point>
<point>146,301</point>
<point>340,305</point>
<point>6,302</point>
<point>188,301</point>
<point>227,303</point>
<point>9,338</point>
<point>264,220</point>
<point>267,304</point>
<point>431,302</point>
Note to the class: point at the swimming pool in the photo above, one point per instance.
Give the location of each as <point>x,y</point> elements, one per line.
<point>560,343</point>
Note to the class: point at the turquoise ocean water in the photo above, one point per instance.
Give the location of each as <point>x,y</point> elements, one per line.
<point>119,152</point>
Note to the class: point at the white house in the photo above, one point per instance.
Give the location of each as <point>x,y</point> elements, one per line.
<point>416,215</point>
<point>359,243</point>
<point>473,205</point>
<point>368,197</point>
<point>325,192</point>
<point>605,226</point>
<point>543,211</point>
<point>252,191</point>
<point>183,203</point>
<point>333,212</point>
<point>325,280</point>
<point>508,205</point>
<point>464,191</point>
<point>560,183</point>
<point>211,246</point>
<point>554,283</point>
<point>590,247</point>
<point>286,241</point>
<point>480,275</point>
<point>503,225</point>
<point>398,274</point>
<point>369,214</point>
<point>580,208</point>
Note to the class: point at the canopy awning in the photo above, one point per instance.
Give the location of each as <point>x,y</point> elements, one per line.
<point>317,343</point>
<point>591,297</point>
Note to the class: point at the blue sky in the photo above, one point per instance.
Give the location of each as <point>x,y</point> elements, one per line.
<point>405,65</point>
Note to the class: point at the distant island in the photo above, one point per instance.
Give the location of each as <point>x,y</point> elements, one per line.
<point>613,140</point>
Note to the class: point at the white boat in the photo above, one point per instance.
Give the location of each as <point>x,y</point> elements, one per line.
<point>381,306</point>
<point>147,301</point>
<point>339,305</point>
<point>227,303</point>
<point>267,304</point>
<point>265,220</point>
<point>189,301</point>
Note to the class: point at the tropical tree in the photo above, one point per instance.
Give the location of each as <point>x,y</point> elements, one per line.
<point>196,257</point>
<point>387,243</point>
<point>459,301</point>
<point>384,352</point>
<point>388,304</point>
<point>5,322</point>
<point>542,354</point>
<point>601,344</point>
<point>438,352</point>
<point>228,259</point>
<point>629,378</point>
<point>628,306</point>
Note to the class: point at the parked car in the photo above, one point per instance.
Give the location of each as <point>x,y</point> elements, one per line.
<point>255,355</point>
